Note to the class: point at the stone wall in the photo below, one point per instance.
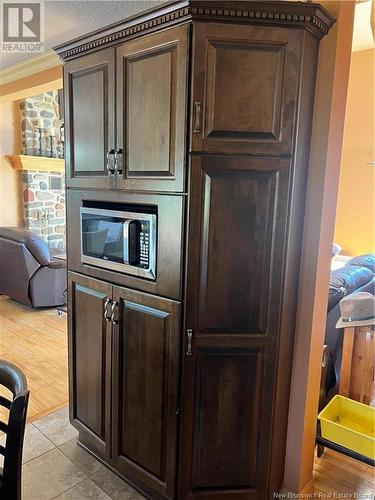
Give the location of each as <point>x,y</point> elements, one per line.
<point>41,107</point>
<point>44,206</point>
<point>43,192</point>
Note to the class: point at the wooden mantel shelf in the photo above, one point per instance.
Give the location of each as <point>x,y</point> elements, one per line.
<point>39,163</point>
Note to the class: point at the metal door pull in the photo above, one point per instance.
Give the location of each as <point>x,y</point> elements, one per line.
<point>189,334</point>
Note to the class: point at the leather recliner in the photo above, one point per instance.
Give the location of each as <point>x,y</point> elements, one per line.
<point>28,272</point>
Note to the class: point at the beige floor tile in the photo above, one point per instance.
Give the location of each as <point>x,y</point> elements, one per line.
<point>35,443</point>
<point>49,475</point>
<point>86,462</point>
<point>56,426</point>
<point>115,487</point>
<point>86,489</point>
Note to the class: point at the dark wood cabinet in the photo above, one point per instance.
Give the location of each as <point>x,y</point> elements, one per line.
<point>207,108</point>
<point>151,110</point>
<point>89,119</point>
<point>90,360</point>
<point>148,79</point>
<point>124,349</point>
<point>145,387</point>
<point>245,87</point>
<point>239,207</point>
<point>169,261</point>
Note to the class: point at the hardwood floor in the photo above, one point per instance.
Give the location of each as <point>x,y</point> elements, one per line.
<point>36,341</point>
<point>336,474</point>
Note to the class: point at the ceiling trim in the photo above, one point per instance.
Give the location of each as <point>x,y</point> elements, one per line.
<point>29,67</point>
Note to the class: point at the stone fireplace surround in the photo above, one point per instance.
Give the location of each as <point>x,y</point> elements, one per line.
<point>43,192</point>
<point>46,108</point>
<point>44,206</point>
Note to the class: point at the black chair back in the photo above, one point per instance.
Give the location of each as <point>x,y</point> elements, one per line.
<point>14,380</point>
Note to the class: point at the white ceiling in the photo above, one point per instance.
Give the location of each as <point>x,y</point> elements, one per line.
<point>65,20</point>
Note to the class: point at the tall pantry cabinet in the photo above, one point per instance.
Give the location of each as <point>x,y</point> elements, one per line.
<point>202,110</point>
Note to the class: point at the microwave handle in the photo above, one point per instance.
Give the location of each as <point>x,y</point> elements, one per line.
<point>127,242</point>
<point>126,239</point>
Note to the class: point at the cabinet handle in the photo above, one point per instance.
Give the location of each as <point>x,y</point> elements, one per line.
<point>189,333</point>
<point>118,161</point>
<point>113,312</point>
<point>109,164</point>
<point>197,116</point>
<point>106,316</point>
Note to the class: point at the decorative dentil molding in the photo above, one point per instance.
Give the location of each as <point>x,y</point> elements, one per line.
<point>309,16</point>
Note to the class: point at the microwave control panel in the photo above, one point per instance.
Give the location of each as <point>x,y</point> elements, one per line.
<point>144,245</point>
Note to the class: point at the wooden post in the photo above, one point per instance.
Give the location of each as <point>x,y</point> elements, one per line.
<point>358,364</point>
<point>346,362</point>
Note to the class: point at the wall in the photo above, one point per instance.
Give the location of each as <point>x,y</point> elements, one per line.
<point>325,157</point>
<point>10,179</point>
<point>49,79</point>
<point>355,229</point>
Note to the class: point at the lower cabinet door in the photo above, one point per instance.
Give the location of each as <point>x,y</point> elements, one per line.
<point>145,390</point>
<point>90,360</point>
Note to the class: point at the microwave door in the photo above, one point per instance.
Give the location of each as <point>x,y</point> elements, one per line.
<point>113,247</point>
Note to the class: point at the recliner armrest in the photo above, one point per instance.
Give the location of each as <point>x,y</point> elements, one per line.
<point>48,285</point>
<point>57,264</point>
<point>35,245</point>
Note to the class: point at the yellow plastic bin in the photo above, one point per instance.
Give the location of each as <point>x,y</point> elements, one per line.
<point>350,424</point>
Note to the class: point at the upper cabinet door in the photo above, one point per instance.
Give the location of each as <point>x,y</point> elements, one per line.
<point>151,111</point>
<point>89,117</point>
<point>245,85</point>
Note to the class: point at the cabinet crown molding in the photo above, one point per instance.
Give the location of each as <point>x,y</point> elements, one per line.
<point>306,15</point>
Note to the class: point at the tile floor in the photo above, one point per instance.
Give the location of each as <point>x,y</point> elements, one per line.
<point>55,467</point>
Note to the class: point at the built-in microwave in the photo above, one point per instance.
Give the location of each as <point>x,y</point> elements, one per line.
<point>119,240</point>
